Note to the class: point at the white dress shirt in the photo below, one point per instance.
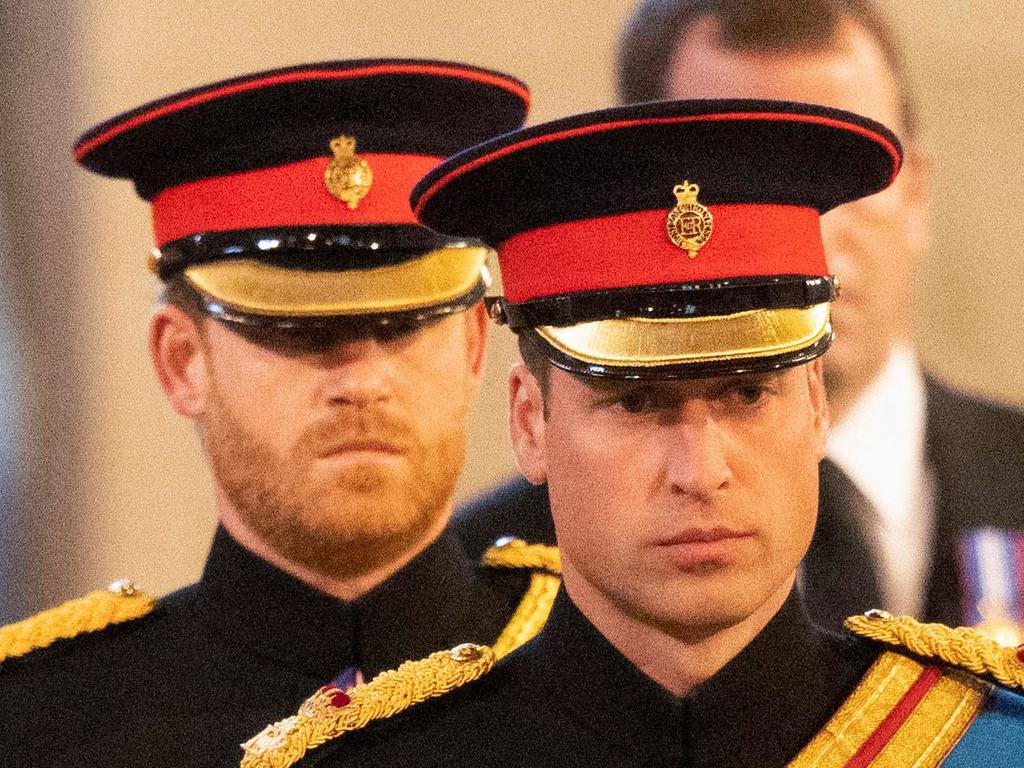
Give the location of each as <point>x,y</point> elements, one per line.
<point>880,446</point>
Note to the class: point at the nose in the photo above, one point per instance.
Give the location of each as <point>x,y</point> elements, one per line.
<point>697,464</point>
<point>357,372</point>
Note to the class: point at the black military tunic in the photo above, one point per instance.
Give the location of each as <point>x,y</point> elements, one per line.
<point>218,660</point>
<point>568,698</point>
<point>516,508</point>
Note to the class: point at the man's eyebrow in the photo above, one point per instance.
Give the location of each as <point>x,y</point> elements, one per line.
<point>757,376</point>
<point>610,386</point>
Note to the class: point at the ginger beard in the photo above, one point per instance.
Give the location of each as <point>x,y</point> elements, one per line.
<point>340,521</point>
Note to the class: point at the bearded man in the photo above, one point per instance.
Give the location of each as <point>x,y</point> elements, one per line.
<point>327,348</point>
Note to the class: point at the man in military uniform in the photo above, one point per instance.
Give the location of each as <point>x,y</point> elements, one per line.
<point>664,267</point>
<point>921,484</point>
<point>921,488</point>
<point>326,346</point>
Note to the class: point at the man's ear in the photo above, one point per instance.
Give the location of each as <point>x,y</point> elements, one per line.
<point>527,424</point>
<point>917,172</point>
<point>179,355</point>
<point>819,404</point>
<point>477,325</point>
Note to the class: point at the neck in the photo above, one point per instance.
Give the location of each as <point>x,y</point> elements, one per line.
<point>841,400</point>
<point>343,588</point>
<point>847,390</point>
<point>677,661</point>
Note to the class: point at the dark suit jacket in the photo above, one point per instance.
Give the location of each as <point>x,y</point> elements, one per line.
<point>975,449</point>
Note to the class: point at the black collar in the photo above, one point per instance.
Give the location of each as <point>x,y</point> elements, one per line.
<point>758,711</point>
<point>437,601</point>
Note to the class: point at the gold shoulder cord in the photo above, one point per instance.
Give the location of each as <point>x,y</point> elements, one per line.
<point>535,607</point>
<point>962,647</point>
<point>120,602</point>
<point>329,712</point>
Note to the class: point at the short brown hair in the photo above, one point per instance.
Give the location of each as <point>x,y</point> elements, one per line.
<point>536,361</point>
<point>178,292</point>
<point>653,32</point>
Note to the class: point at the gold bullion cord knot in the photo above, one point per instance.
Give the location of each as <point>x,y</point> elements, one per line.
<point>329,712</point>
<point>961,646</point>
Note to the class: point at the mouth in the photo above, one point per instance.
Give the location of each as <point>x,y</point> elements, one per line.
<point>700,535</point>
<point>704,547</point>
<point>354,448</point>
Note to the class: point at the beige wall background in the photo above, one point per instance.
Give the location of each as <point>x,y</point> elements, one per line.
<point>114,484</point>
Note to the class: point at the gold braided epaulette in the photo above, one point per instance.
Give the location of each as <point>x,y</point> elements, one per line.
<point>961,647</point>
<point>330,712</point>
<point>516,553</point>
<point>535,607</point>
<point>122,601</point>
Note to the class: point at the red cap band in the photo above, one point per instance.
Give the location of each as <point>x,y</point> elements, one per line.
<point>634,249</point>
<point>286,196</point>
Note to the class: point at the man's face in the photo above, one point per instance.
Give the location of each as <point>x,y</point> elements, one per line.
<point>871,244</point>
<point>340,451</point>
<point>683,504</point>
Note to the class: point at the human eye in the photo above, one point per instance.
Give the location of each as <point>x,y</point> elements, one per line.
<point>292,341</point>
<point>396,330</point>
<point>637,400</point>
<point>645,399</point>
<point>749,392</point>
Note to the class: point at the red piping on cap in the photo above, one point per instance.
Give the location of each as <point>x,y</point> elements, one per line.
<point>287,195</point>
<point>633,249</point>
<point>602,127</point>
<point>298,76</point>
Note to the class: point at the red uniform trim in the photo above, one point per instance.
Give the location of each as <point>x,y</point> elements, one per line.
<point>285,196</point>
<point>298,76</point>
<point>603,127</point>
<point>634,249</point>
<point>895,719</point>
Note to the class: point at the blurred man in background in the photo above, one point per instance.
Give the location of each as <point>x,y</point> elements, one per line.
<point>928,478</point>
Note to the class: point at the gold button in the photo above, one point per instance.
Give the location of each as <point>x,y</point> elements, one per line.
<point>124,588</point>
<point>877,614</point>
<point>508,542</point>
<point>467,652</point>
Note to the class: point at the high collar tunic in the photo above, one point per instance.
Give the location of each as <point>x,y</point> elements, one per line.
<point>569,698</point>
<point>215,662</point>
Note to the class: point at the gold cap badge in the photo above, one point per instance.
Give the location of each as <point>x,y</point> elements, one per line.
<point>348,177</point>
<point>689,224</point>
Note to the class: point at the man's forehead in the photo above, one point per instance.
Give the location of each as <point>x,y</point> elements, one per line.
<point>849,73</point>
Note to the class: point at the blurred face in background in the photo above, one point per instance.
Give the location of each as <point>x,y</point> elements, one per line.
<point>871,244</point>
